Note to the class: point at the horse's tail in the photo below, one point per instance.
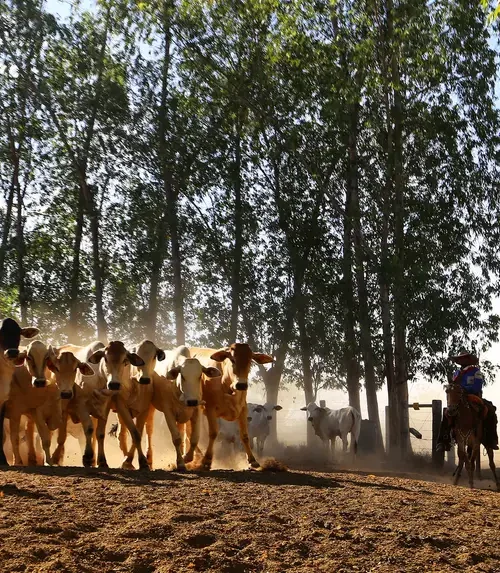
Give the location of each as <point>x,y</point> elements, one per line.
<point>356,428</point>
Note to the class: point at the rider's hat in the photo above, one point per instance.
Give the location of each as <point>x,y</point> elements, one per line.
<point>464,357</point>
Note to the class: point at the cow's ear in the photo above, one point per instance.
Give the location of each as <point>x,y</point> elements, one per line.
<point>304,409</point>
<point>220,355</point>
<point>160,354</point>
<point>96,357</point>
<point>262,358</point>
<point>29,332</point>
<point>51,365</point>
<point>277,408</point>
<point>211,371</point>
<point>135,359</point>
<point>20,358</point>
<point>85,369</point>
<point>173,373</point>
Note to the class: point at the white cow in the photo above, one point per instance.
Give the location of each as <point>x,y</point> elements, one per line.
<point>328,424</point>
<point>259,423</point>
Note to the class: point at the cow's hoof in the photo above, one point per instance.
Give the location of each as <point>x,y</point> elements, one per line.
<point>103,466</point>
<point>180,468</point>
<point>3,460</point>
<point>128,465</point>
<point>188,458</point>
<point>144,467</point>
<point>254,465</point>
<point>88,462</point>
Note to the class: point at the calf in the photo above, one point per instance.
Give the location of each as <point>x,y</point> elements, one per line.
<point>226,396</point>
<point>260,423</point>
<point>34,395</point>
<point>178,394</point>
<point>10,338</point>
<point>328,424</point>
<point>114,374</point>
<point>139,401</point>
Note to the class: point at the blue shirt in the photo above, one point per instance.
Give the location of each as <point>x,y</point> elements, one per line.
<point>470,378</point>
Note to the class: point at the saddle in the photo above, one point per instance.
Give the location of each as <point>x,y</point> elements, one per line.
<point>478,405</point>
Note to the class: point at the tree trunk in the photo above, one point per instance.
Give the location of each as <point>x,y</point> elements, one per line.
<point>74,303</point>
<point>399,247</point>
<point>158,260</point>
<point>238,237</point>
<point>364,313</point>
<point>21,247</point>
<point>6,230</point>
<point>166,170</point>
<point>350,361</point>
<point>102,327</point>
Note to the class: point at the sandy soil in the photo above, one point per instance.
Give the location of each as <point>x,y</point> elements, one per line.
<point>77,520</point>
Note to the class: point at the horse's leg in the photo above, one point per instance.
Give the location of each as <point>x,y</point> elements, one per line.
<point>461,460</point>
<point>492,467</point>
<point>469,463</point>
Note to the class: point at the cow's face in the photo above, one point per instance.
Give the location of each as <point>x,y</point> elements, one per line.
<point>10,336</point>
<point>64,367</point>
<point>240,358</point>
<point>115,363</point>
<point>315,413</point>
<point>188,376</point>
<point>36,357</point>
<point>149,354</point>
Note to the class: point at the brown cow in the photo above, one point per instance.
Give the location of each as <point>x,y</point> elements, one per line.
<point>114,371</point>
<point>33,395</point>
<point>65,367</point>
<point>226,396</point>
<point>10,338</point>
<point>178,394</point>
<point>139,400</point>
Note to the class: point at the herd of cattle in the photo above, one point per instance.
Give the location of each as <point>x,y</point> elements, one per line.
<point>74,386</point>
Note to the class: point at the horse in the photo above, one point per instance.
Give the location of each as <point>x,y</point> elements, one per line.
<point>468,411</point>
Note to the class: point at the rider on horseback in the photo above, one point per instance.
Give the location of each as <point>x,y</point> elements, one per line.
<point>471,379</point>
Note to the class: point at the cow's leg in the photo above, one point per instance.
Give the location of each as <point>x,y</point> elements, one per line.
<point>176,438</point>
<point>122,438</point>
<point>140,421</point>
<point>61,439</point>
<point>35,456</point>
<point>243,424</point>
<point>181,428</point>
<point>213,430</point>
<point>194,437</point>
<point>3,459</point>
<point>89,436</point>
<point>150,420</point>
<point>124,413</point>
<point>101,434</point>
<point>44,433</point>
<point>343,437</point>
<point>15,423</point>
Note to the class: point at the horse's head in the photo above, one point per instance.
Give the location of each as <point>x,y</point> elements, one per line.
<point>456,395</point>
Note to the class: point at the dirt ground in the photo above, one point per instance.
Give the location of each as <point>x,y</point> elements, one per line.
<point>77,520</point>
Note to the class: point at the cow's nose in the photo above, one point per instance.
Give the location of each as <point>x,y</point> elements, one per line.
<point>66,395</point>
<point>39,382</point>
<point>12,352</point>
<point>310,419</point>
<point>192,403</point>
<point>113,385</point>
<point>144,380</point>
<point>269,417</point>
<point>241,386</point>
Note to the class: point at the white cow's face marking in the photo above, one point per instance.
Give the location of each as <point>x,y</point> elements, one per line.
<point>65,368</point>
<point>265,411</point>
<point>315,413</point>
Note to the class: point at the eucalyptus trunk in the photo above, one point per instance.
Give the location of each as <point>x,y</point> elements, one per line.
<point>74,303</point>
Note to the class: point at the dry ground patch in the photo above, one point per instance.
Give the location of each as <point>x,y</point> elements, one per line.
<point>76,520</point>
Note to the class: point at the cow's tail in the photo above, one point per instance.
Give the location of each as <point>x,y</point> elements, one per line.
<point>356,429</point>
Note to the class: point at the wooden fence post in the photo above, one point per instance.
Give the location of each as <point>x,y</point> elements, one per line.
<point>437,415</point>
